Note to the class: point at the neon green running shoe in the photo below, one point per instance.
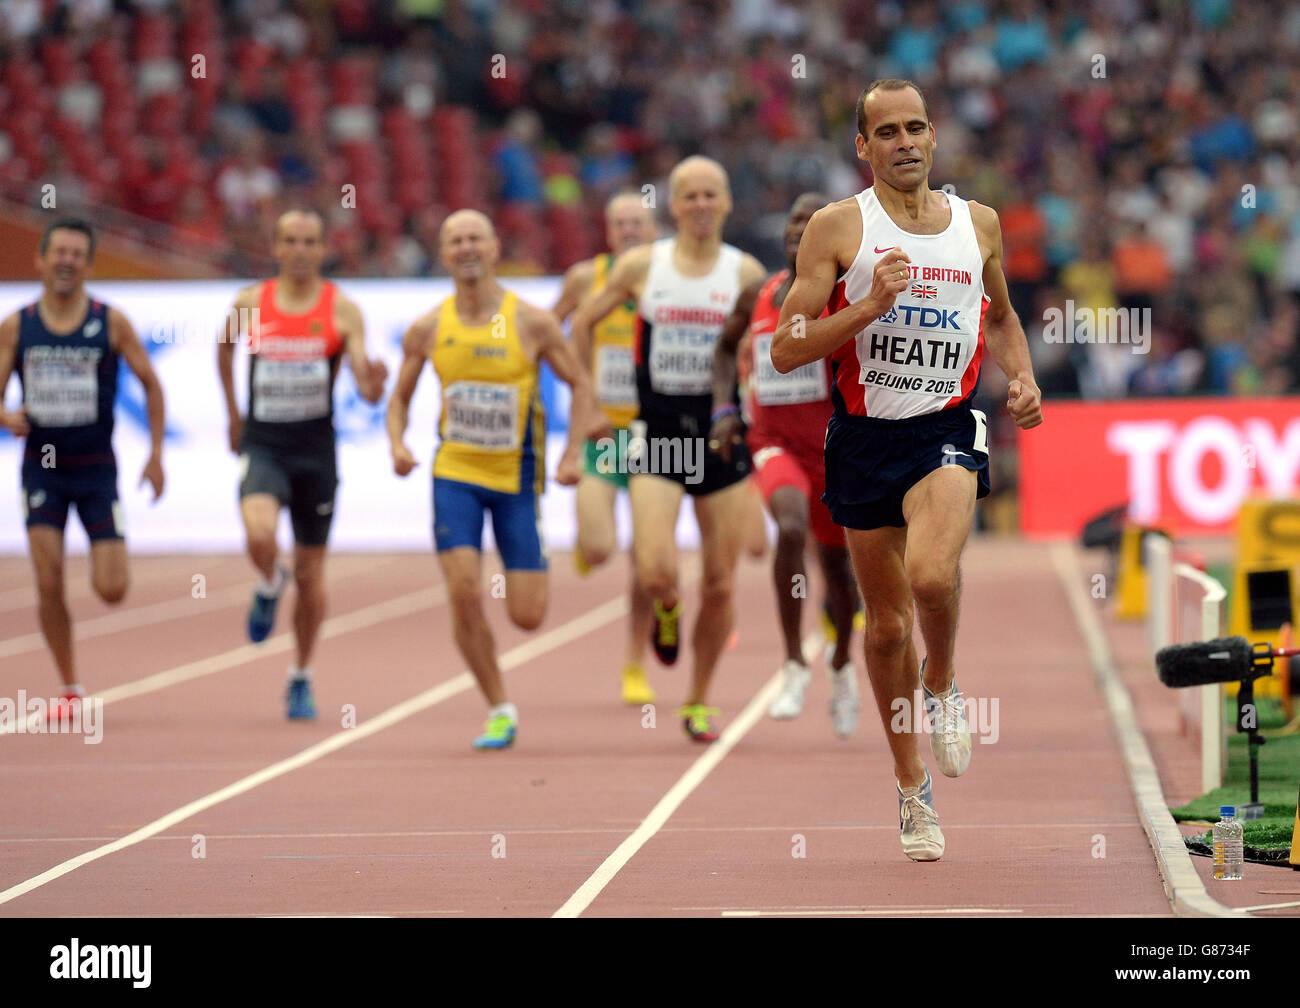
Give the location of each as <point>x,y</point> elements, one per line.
<point>697,724</point>
<point>498,733</point>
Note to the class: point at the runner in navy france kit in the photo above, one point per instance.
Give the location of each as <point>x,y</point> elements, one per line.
<point>65,348</point>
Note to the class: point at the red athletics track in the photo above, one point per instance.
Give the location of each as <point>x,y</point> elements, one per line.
<point>403,818</point>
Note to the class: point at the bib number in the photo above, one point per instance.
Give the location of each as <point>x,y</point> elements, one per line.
<point>482,415</point>
<point>681,361</point>
<point>615,376</point>
<point>61,393</point>
<point>772,388</point>
<point>291,390</point>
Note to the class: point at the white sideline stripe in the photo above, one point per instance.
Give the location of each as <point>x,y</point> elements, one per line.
<point>403,605</point>
<point>561,635</point>
<point>130,619</point>
<point>893,912</point>
<point>1183,886</point>
<point>1273,906</point>
<point>678,793</point>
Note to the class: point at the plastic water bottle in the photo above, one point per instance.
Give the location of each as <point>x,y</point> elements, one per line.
<point>1227,844</point>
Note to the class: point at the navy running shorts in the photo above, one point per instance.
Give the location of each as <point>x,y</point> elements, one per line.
<point>872,463</point>
<point>93,490</point>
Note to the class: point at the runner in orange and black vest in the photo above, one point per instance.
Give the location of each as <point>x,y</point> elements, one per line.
<point>298,327</point>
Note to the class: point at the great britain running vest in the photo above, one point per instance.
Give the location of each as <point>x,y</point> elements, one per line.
<point>924,354</point>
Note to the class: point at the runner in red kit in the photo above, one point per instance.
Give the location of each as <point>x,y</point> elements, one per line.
<point>786,415</point>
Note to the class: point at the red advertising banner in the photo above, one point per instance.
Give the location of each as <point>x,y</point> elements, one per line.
<point>1184,464</point>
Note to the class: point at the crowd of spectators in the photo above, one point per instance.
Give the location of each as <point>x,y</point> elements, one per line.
<point>1142,155</point>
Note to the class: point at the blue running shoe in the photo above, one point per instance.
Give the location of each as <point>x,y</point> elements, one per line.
<point>261,611</point>
<point>498,733</point>
<point>301,705</point>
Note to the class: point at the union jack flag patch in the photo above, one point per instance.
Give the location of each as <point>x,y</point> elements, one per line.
<point>925,291</point>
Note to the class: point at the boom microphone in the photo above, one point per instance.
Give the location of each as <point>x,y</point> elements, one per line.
<point>1224,659</point>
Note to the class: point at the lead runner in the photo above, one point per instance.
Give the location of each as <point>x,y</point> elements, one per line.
<point>914,281</point>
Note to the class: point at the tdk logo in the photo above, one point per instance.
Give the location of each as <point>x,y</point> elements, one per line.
<point>923,318</point>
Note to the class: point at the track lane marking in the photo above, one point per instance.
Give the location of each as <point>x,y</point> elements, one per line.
<point>358,619</point>
<point>695,774</point>
<point>542,644</point>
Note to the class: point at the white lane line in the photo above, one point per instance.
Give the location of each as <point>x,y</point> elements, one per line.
<point>891,912</point>
<point>129,619</point>
<point>549,641</point>
<point>678,793</point>
<point>1273,906</point>
<point>1181,881</point>
<point>335,626</point>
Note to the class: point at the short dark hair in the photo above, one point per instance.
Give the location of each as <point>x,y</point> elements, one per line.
<point>69,224</point>
<point>886,84</point>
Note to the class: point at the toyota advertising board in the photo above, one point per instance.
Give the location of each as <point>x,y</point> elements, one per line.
<point>1185,464</point>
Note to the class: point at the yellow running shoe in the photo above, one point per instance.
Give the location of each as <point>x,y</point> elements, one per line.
<point>636,688</point>
<point>580,562</point>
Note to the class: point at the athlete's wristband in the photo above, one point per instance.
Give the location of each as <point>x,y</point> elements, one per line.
<point>722,411</point>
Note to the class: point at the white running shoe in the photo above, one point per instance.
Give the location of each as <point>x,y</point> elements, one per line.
<point>845,703</point>
<point>949,732</point>
<point>919,823</point>
<point>789,702</point>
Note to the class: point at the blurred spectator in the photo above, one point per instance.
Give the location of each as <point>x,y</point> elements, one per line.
<point>516,159</point>
<point>1142,270</point>
<point>247,184</point>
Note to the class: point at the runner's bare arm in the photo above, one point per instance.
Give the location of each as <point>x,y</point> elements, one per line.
<point>725,431</point>
<point>1003,334</point>
<point>122,338</point>
<point>626,279</point>
<point>14,421</point>
<point>829,243</point>
<point>724,351</point>
<point>577,282</point>
<point>543,332</point>
<point>416,345</point>
<point>370,373</point>
<point>227,339</point>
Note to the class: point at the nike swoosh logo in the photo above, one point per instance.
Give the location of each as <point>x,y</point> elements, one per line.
<point>890,249</point>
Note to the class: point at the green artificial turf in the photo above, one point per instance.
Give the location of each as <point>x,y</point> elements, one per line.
<point>1279,783</point>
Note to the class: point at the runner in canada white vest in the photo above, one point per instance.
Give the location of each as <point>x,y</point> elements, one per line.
<point>681,319</point>
<point>923,355</point>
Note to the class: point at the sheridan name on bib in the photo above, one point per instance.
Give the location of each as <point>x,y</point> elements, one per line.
<point>482,414</point>
<point>61,386</point>
<point>806,383</point>
<point>289,390</point>
<point>615,376</point>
